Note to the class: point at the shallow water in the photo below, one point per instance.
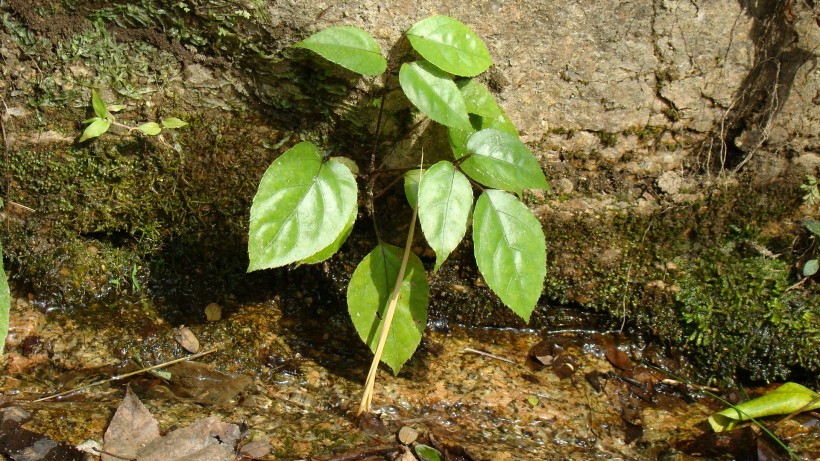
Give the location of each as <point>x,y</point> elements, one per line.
<point>295,379</point>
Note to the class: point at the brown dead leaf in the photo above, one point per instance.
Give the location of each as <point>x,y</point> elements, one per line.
<point>616,357</point>
<point>131,428</point>
<point>134,434</point>
<point>206,439</point>
<point>186,338</point>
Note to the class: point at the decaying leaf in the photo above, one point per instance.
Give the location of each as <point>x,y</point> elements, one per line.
<point>186,338</point>
<point>131,428</point>
<point>134,434</point>
<point>408,435</point>
<point>202,383</point>
<point>207,439</point>
<point>213,312</point>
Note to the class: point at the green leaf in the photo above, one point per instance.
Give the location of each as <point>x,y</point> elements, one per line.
<point>411,186</point>
<point>812,225</point>
<point>349,47</point>
<point>349,163</point>
<point>368,294</point>
<point>173,122</point>
<point>115,107</point>
<point>478,98</point>
<point>96,128</point>
<point>5,304</point>
<point>445,201</point>
<point>509,250</point>
<point>502,161</point>
<point>150,128</point>
<point>426,452</point>
<point>300,208</point>
<point>434,94</point>
<point>786,399</point>
<point>484,113</point>
<point>98,104</point>
<point>458,138</point>
<point>331,249</point>
<point>450,45</point>
<point>810,268</point>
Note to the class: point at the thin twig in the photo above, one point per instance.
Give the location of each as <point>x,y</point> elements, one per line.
<point>487,354</point>
<point>126,375</point>
<point>367,395</point>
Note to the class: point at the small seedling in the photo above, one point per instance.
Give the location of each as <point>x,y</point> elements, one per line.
<point>810,187</point>
<point>104,119</point>
<point>306,203</point>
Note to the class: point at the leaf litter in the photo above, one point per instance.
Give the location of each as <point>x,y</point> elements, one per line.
<point>134,433</point>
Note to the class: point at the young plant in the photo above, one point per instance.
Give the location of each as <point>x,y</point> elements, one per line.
<point>104,119</point>
<point>306,204</point>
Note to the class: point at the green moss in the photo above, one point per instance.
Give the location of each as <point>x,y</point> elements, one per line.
<point>738,313</point>
<point>608,139</point>
<point>672,114</point>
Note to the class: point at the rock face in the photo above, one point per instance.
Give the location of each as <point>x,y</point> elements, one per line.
<point>676,135</point>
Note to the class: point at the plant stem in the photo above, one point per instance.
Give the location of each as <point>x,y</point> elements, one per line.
<point>370,185</point>
<point>367,396</point>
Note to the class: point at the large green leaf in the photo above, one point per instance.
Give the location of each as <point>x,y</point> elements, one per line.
<point>300,208</point>
<point>349,47</point>
<point>450,45</point>
<point>434,94</point>
<point>788,398</point>
<point>445,200</point>
<point>500,160</point>
<point>368,294</point>
<point>331,249</point>
<point>509,250</point>
<point>5,305</point>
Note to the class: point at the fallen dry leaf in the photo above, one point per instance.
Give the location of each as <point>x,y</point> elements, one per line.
<point>131,428</point>
<point>134,434</point>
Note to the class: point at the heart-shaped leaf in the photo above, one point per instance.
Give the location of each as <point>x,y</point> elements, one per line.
<point>368,294</point>
<point>502,161</point>
<point>450,45</point>
<point>331,249</point>
<point>445,201</point>
<point>509,250</point>
<point>300,208</point>
<point>434,94</point>
<point>349,47</point>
